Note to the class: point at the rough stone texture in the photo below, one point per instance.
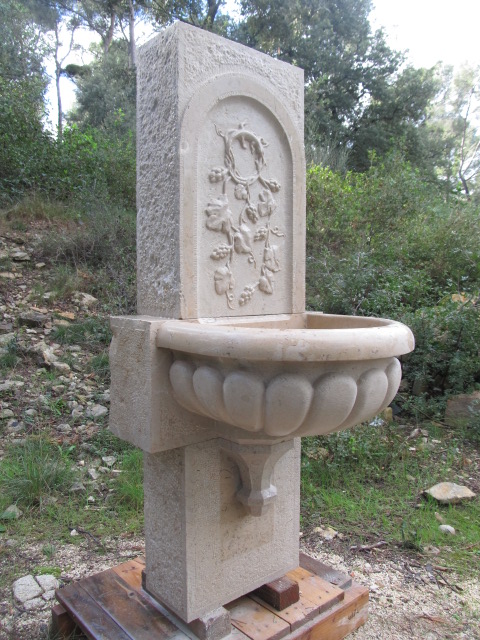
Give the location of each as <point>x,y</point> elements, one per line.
<point>26,588</point>
<point>214,626</point>
<point>47,582</point>
<point>460,406</point>
<point>188,83</point>
<point>208,551</point>
<point>34,603</point>
<point>142,409</point>
<point>450,493</point>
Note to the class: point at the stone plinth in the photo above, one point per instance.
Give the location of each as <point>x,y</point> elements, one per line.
<point>203,549</point>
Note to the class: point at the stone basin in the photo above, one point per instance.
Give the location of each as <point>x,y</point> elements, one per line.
<point>285,375</point>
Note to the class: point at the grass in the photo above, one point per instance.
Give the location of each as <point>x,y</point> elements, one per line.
<point>9,356</point>
<point>367,483</point>
<point>33,471</point>
<point>92,331</point>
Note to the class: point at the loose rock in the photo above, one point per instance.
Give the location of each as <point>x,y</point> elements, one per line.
<point>11,513</point>
<point>26,588</point>
<point>48,582</point>
<point>449,493</point>
<point>446,528</point>
<point>96,411</point>
<point>32,319</point>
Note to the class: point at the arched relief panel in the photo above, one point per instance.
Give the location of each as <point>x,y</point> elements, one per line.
<point>243,203</point>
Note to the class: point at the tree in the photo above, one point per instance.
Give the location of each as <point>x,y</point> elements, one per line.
<point>106,92</point>
<point>199,13</point>
<point>357,99</point>
<point>25,146</point>
<point>455,126</point>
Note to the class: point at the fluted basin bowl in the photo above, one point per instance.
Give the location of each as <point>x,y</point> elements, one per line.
<point>293,375</point>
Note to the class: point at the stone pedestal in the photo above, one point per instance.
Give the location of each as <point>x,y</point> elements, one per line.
<point>203,548</point>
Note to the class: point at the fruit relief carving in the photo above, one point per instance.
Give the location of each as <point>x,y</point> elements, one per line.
<point>243,212</point>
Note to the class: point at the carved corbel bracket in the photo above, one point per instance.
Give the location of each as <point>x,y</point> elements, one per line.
<point>256,464</point>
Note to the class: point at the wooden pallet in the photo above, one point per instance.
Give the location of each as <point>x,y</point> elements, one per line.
<point>112,605</point>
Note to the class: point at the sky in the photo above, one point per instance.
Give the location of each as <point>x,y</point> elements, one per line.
<point>431,31</point>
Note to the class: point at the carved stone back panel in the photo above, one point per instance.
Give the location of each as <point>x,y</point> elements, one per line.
<point>239,177</point>
<point>220,188</point>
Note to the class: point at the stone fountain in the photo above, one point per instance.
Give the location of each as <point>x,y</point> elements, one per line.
<point>223,370</point>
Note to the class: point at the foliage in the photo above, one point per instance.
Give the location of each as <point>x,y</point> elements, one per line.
<point>33,471</point>
<point>453,124</point>
<point>105,90</point>
<point>386,243</point>
<point>25,148</point>
<point>357,97</point>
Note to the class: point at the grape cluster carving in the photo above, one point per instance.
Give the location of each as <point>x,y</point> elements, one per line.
<point>252,222</point>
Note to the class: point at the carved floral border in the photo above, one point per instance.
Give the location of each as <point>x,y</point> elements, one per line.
<point>253,218</point>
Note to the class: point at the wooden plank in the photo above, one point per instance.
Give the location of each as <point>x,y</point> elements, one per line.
<point>315,589</point>
<point>280,593</point>
<point>340,620</point>
<point>134,614</point>
<point>342,580</point>
<point>131,573</point>
<point>256,621</point>
<point>62,624</point>
<point>92,619</point>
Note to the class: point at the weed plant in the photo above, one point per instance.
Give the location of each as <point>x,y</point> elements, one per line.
<point>92,331</point>
<point>9,356</point>
<point>33,471</point>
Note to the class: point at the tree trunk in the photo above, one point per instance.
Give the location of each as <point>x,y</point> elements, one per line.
<point>58,71</point>
<point>131,30</point>
<point>107,40</point>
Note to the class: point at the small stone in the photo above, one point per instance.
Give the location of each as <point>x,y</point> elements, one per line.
<point>48,595</point>
<point>61,323</point>
<point>66,315</point>
<point>109,460</point>
<point>47,582</point>
<point>84,299</point>
<point>6,386</point>
<point>5,338</point>
<point>63,367</point>
<point>77,486</point>
<point>461,406</point>
<point>96,411</point>
<point>31,413</point>
<point>440,518</point>
<point>431,550</point>
<point>90,499</point>
<point>74,533</point>
<point>6,413</point>
<point>32,319</point>
<point>93,473</point>
<point>327,533</point>
<point>26,588</point>
<point>15,426</point>
<point>450,493</point>
<point>39,265</point>
<point>20,256</point>
<point>35,603</point>
<point>64,428</point>
<point>446,528</point>
<point>11,513</point>
<point>7,275</point>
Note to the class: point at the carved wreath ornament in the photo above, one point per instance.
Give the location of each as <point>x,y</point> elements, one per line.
<point>251,221</point>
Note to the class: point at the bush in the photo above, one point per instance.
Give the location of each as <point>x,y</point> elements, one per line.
<point>387,243</point>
